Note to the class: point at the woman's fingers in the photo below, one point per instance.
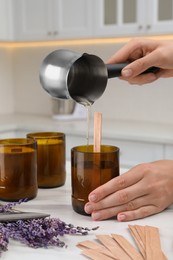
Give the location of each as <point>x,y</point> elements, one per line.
<point>143,54</point>
<point>121,182</point>
<point>144,190</point>
<point>141,79</point>
<point>134,49</point>
<point>134,72</point>
<point>138,208</point>
<point>142,212</point>
<point>121,197</point>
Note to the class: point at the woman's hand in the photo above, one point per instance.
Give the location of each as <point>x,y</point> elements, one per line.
<point>142,191</point>
<point>143,54</point>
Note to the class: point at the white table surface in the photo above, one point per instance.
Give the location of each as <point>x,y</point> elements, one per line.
<point>57,202</point>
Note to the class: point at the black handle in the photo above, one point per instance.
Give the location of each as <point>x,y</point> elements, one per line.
<point>114,70</point>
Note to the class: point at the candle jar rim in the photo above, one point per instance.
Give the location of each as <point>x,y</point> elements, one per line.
<point>90,149</point>
<point>45,135</point>
<point>16,141</point>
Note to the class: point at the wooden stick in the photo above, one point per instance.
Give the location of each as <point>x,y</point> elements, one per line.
<point>95,246</point>
<point>113,246</point>
<point>141,232</point>
<point>153,245</point>
<point>97,131</point>
<point>128,248</point>
<point>95,255</point>
<point>117,246</point>
<point>137,239</point>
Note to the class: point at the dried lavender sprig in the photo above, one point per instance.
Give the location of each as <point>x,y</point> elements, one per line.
<point>4,240</point>
<point>42,232</point>
<point>9,206</point>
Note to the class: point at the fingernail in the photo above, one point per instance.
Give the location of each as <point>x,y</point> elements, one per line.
<point>121,217</point>
<point>126,73</point>
<point>88,208</point>
<point>92,197</point>
<point>96,216</point>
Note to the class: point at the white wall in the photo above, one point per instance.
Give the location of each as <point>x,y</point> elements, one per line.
<point>6,82</point>
<point>120,101</point>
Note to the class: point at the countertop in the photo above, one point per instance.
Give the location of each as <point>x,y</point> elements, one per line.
<point>57,202</point>
<point>119,129</point>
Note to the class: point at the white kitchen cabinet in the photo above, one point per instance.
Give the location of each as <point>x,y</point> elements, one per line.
<point>72,141</point>
<point>119,17</point>
<point>159,16</point>
<point>131,152</point>
<point>7,134</point>
<point>16,133</point>
<point>32,20</point>
<point>5,20</point>
<point>133,17</point>
<point>168,151</point>
<point>136,152</point>
<point>52,19</point>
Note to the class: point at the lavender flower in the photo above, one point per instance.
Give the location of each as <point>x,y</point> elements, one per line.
<point>9,206</point>
<point>42,232</point>
<point>3,241</point>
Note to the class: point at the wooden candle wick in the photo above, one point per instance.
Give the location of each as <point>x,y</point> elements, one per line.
<point>97,131</point>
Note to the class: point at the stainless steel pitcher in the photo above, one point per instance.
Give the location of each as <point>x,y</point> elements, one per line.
<point>67,74</point>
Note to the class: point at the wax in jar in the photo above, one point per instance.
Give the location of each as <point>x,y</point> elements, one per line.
<point>90,170</point>
<point>51,170</point>
<point>18,173</point>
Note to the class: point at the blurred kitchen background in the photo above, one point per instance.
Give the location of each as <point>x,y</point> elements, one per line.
<point>138,119</point>
<point>31,29</point>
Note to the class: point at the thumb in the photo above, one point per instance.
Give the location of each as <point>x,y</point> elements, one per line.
<point>138,66</point>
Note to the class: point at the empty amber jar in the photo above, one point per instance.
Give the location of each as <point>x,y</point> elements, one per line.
<point>91,169</point>
<point>51,166</point>
<point>18,169</point>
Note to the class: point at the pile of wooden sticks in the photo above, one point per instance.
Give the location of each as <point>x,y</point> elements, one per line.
<point>108,247</point>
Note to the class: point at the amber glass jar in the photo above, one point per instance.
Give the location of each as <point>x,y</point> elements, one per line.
<point>18,169</point>
<point>90,170</point>
<point>51,166</point>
